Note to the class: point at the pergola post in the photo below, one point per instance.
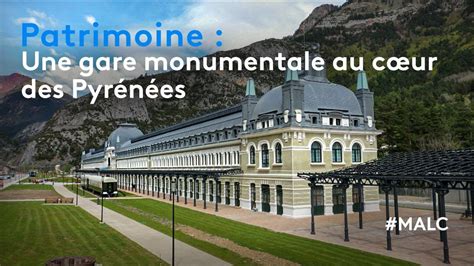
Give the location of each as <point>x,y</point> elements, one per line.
<point>311,186</point>
<point>386,189</point>
<point>157,186</point>
<point>204,179</point>
<point>395,206</point>
<point>433,196</point>
<point>217,193</point>
<point>164,186</point>
<point>139,183</point>
<point>344,187</point>
<point>148,185</point>
<point>439,215</point>
<point>194,190</point>
<point>359,190</point>
<point>169,187</point>
<point>468,207</point>
<point>472,202</point>
<point>177,188</point>
<point>185,189</point>
<point>442,214</point>
<point>153,186</point>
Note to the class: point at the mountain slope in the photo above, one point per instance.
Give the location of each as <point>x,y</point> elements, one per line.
<point>10,82</point>
<point>81,126</point>
<point>21,115</point>
<point>416,110</point>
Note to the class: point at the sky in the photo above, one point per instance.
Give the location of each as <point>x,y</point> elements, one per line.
<point>242,23</point>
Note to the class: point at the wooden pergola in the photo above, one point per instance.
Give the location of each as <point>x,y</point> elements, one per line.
<point>439,171</point>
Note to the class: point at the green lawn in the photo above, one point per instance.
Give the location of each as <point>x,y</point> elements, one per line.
<point>30,187</point>
<point>32,233</point>
<point>298,249</point>
<point>157,223</point>
<point>82,192</point>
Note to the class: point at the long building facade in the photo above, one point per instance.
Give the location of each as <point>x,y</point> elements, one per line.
<point>307,124</point>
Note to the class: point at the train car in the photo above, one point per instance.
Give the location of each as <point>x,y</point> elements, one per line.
<point>99,184</point>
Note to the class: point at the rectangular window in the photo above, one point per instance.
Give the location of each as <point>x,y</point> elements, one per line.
<point>356,123</point>
<point>314,120</point>
<point>338,122</point>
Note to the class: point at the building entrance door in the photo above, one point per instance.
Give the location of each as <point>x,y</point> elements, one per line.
<point>227,193</point>
<point>265,198</point>
<point>356,206</point>
<point>237,193</point>
<point>318,200</point>
<point>253,196</point>
<point>279,199</point>
<point>338,204</point>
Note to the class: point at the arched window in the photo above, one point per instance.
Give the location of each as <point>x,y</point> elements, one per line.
<point>264,155</point>
<point>337,152</point>
<point>316,152</point>
<point>278,153</point>
<point>252,155</point>
<point>356,153</point>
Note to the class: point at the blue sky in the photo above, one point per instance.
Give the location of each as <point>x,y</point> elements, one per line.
<point>242,23</point>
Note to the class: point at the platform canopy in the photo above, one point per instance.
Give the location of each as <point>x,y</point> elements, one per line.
<point>199,172</point>
<point>423,169</point>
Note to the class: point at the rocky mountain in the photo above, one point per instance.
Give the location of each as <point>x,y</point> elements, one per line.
<point>21,119</point>
<point>10,82</point>
<point>416,110</point>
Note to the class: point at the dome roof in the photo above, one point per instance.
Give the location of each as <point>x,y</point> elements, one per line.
<point>319,94</point>
<point>122,134</point>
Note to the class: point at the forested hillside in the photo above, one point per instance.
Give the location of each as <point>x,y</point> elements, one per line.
<point>415,110</point>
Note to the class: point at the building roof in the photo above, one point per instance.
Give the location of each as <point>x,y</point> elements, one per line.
<point>319,95</point>
<point>122,134</point>
<point>226,118</point>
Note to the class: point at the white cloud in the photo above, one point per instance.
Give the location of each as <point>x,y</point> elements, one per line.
<point>37,17</point>
<point>29,20</point>
<point>90,19</point>
<point>37,14</point>
<point>242,24</point>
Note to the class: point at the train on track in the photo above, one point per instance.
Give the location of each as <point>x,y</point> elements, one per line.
<point>100,184</point>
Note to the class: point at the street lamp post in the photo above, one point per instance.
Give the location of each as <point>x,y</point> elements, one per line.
<point>102,202</point>
<point>77,188</point>
<point>173,191</point>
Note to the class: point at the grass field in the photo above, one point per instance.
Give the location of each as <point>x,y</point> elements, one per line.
<point>297,249</point>
<point>82,192</point>
<point>32,233</point>
<point>29,187</point>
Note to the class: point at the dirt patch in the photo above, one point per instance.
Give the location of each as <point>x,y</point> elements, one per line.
<point>258,257</point>
<point>27,194</point>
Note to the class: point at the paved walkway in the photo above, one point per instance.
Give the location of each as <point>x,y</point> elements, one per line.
<point>420,247</point>
<point>150,239</point>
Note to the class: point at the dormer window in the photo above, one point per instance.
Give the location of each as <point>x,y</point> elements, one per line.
<point>338,122</point>
<point>356,122</point>
<point>314,120</point>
